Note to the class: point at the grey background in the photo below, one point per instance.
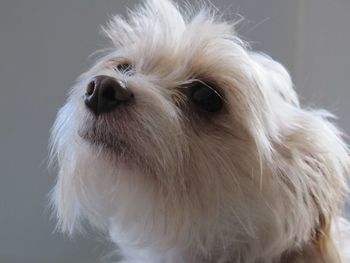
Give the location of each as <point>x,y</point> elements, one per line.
<point>45,44</point>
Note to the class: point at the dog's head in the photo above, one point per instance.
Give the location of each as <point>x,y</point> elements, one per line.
<point>182,133</point>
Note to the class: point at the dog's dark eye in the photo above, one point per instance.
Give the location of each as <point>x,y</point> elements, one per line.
<point>124,67</point>
<point>206,97</point>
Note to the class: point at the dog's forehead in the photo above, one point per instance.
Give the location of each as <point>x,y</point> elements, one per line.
<point>159,39</point>
<point>190,52</point>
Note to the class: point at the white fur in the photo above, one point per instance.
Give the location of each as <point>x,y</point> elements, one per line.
<point>251,184</point>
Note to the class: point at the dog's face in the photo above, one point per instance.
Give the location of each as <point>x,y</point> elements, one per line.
<point>182,120</point>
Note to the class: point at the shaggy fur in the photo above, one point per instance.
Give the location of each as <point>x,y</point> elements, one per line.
<point>261,181</point>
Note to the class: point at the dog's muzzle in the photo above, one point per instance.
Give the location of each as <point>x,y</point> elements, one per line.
<point>105,93</point>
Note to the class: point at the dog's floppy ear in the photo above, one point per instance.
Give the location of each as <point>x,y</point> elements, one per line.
<point>63,197</point>
<point>319,165</point>
<point>65,203</point>
<point>76,197</point>
<point>312,162</point>
<point>278,79</point>
<point>267,91</point>
<point>316,176</point>
<point>322,249</point>
<point>325,247</point>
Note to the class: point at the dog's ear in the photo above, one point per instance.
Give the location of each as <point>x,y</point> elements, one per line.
<point>65,204</point>
<point>322,249</point>
<point>268,89</point>
<point>325,248</point>
<point>277,78</point>
<point>64,197</point>
<point>76,198</point>
<point>318,164</point>
<point>311,160</point>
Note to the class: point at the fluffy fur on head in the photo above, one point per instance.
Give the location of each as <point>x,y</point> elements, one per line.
<point>259,181</point>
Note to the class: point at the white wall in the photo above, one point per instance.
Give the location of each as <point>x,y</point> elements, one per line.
<point>323,58</point>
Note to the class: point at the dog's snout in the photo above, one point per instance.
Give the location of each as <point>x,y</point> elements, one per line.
<point>104,94</point>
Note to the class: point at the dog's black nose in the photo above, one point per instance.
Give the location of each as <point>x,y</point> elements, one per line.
<point>104,93</point>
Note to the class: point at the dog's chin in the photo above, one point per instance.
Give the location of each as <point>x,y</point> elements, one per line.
<point>108,141</point>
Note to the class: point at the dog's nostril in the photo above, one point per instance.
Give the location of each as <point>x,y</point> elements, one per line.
<point>104,94</point>
<point>90,88</point>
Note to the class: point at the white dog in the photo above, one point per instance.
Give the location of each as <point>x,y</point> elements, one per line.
<point>183,145</point>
